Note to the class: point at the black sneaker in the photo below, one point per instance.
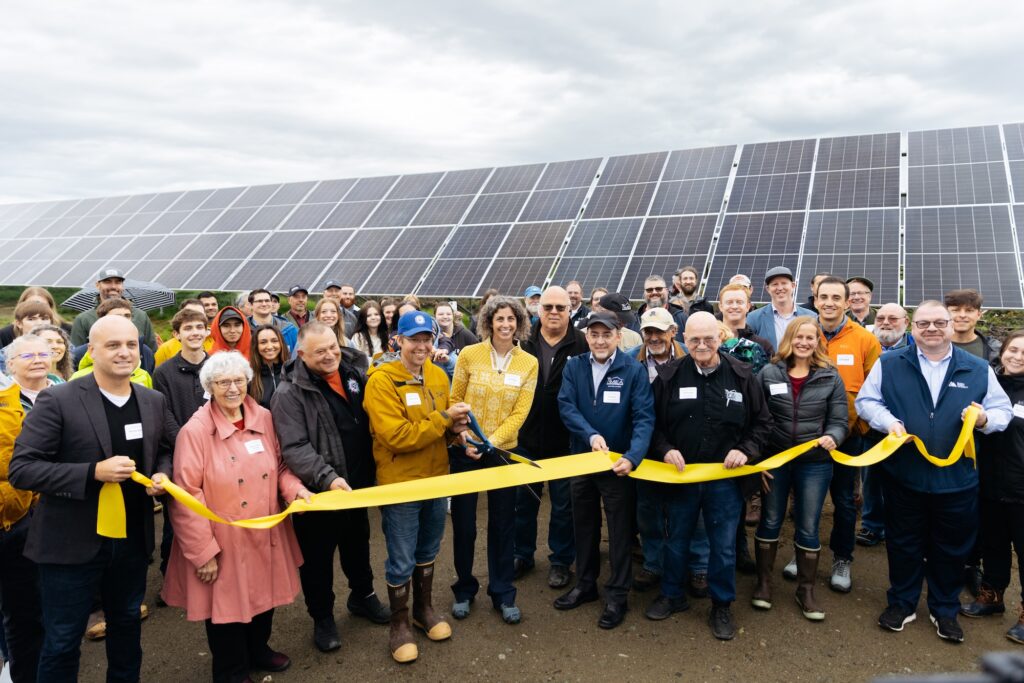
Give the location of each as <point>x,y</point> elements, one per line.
<point>894,618</point>
<point>520,567</point>
<point>948,628</point>
<point>868,538</point>
<point>720,620</point>
<point>370,608</point>
<point>664,607</point>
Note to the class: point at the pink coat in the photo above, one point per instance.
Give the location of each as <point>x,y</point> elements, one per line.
<point>238,475</point>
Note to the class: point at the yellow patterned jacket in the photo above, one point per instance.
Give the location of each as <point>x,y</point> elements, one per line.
<point>500,399</point>
<point>14,503</point>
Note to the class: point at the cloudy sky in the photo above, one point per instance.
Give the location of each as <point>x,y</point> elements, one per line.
<point>104,98</point>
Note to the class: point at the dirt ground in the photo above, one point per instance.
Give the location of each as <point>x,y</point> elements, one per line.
<point>550,645</point>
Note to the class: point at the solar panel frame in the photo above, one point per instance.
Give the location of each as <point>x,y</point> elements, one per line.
<point>695,164</point>
<point>603,237</point>
<point>456,277</point>
<point>398,278</point>
<point>590,271</point>
<point>633,168</point>
<point>620,201</point>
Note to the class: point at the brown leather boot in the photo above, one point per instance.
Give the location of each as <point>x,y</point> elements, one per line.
<point>423,615</point>
<point>806,573</point>
<point>400,640</point>
<point>764,556</point>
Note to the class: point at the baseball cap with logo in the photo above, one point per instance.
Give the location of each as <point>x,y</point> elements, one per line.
<point>619,305</point>
<point>109,274</point>
<point>415,322</point>
<point>295,289</point>
<point>331,283</point>
<point>533,290</point>
<point>601,318</point>
<point>657,318</point>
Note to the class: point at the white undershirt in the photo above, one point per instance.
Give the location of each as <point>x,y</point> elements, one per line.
<point>118,401</point>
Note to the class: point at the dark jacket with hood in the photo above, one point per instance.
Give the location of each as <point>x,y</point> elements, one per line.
<point>324,436</point>
<point>544,434</point>
<point>178,381</point>
<point>701,417</point>
<point>1001,454</point>
<point>819,410</point>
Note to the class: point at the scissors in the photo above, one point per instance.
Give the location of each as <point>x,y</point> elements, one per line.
<point>485,447</point>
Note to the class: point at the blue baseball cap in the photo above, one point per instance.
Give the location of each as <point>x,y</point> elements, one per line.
<point>415,322</point>
<point>533,290</point>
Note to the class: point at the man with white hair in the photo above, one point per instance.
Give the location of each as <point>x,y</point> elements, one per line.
<point>79,436</point>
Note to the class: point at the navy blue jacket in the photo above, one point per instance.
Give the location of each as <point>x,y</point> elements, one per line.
<point>906,395</point>
<point>622,410</point>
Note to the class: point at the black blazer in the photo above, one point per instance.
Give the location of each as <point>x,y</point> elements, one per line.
<point>61,440</point>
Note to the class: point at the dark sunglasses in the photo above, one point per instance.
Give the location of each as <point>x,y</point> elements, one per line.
<point>561,308</point>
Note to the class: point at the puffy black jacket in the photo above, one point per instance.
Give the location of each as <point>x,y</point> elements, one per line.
<point>1001,455</point>
<point>819,410</point>
<point>544,434</point>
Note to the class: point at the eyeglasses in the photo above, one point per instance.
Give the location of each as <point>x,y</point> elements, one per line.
<point>261,301</point>
<point>228,383</point>
<point>853,293</point>
<point>697,341</point>
<point>651,290</point>
<point>925,324</point>
<point>889,318</point>
<point>41,355</point>
<point>561,308</point>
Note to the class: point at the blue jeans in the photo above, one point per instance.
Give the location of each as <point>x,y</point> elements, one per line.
<point>501,505</point>
<point>809,481</point>
<point>652,520</point>
<point>412,535</point>
<point>720,503</point>
<point>872,513</point>
<point>118,574</point>
<point>844,517</point>
<point>561,538</point>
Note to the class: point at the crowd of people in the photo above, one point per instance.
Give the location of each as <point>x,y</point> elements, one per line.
<point>248,409</point>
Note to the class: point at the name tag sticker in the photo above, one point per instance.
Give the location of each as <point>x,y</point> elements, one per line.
<point>778,388</point>
<point>413,399</point>
<point>611,397</point>
<point>844,359</point>
<point>254,446</point>
<point>687,392</point>
<point>1018,410</point>
<point>133,431</point>
<point>206,395</point>
<point>512,380</point>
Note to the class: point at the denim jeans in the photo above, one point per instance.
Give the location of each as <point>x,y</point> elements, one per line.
<point>500,533</point>
<point>844,516</point>
<point>872,513</point>
<point>561,539</point>
<point>720,503</point>
<point>19,602</point>
<point>809,481</point>
<point>118,574</point>
<point>652,520</point>
<point>412,535</point>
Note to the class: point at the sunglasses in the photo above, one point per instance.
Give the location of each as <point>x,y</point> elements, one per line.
<point>561,308</point>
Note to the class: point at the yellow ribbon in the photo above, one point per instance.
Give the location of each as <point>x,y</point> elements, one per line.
<point>110,520</point>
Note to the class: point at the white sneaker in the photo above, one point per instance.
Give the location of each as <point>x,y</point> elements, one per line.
<point>841,580</point>
<point>789,571</point>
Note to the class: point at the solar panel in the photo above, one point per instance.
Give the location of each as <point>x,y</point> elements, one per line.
<point>513,178</point>
<point>370,243</point>
<point>307,217</point>
<point>346,270</point>
<point>604,237</point>
<point>330,191</point>
<point>394,213</point>
<point>591,272</point>
<point>291,193</point>
<point>633,168</point>
<point>348,215</point>
<point>620,201</point>
<point>497,208</point>
<point>455,277</point>
<point>268,218</point>
<point>856,189</point>
<point>526,240</point>
<point>513,276</point>
<point>415,242</point>
<point>640,267</point>
<point>370,188</point>
<point>396,277</point>
<point>691,164</point>
<point>954,146</point>
<point>474,241</point>
<point>462,182</point>
<point>443,210</point>
<point>255,196</point>
<point>1017,176</point>
<point>704,195</point>
<point>415,186</point>
<point>561,174</point>
<point>982,183</point>
<point>553,205</point>
<point>295,272</point>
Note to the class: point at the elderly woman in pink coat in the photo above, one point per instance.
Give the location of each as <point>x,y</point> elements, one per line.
<point>228,457</point>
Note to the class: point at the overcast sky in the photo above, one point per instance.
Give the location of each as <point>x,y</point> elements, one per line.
<point>104,98</point>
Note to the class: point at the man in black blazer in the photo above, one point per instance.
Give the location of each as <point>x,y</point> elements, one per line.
<point>99,428</point>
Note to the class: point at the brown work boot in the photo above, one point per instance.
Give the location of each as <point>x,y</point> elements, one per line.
<point>988,602</point>
<point>400,640</point>
<point>806,573</point>
<point>753,510</point>
<point>422,604</point>
<point>764,556</point>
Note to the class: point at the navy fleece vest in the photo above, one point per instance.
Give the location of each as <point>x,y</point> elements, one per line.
<point>906,394</point>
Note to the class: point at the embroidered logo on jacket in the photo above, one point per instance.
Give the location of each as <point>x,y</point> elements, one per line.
<point>615,382</point>
<point>353,386</point>
<point>958,385</point>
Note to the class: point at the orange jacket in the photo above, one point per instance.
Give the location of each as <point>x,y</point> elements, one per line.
<point>854,351</point>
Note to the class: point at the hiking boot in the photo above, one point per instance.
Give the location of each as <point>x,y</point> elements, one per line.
<point>988,602</point>
<point>698,585</point>
<point>722,625</point>
<point>841,580</point>
<point>664,607</point>
<point>325,634</point>
<point>559,576</point>
<point>370,608</point>
<point>753,510</point>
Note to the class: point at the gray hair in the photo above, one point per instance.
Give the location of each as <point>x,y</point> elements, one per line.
<point>486,314</point>
<point>15,347</point>
<point>224,363</point>
<point>241,300</point>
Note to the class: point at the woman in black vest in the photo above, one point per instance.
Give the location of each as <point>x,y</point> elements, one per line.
<point>269,354</point>
<point>807,400</point>
<point>1001,478</point>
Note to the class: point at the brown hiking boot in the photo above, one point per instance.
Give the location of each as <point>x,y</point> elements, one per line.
<point>988,602</point>
<point>753,510</point>
<point>764,556</point>
<point>806,572</point>
<point>400,640</point>
<point>423,615</point>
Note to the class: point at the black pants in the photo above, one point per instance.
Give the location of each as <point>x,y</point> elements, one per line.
<point>19,603</point>
<point>928,536</point>
<point>320,534</point>
<point>166,535</point>
<point>236,648</point>
<point>619,497</point>
<point>1003,529</point>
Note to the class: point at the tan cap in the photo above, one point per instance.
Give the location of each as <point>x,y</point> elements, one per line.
<point>658,318</point>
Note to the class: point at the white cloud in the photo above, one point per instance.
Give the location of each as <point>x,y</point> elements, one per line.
<point>108,98</point>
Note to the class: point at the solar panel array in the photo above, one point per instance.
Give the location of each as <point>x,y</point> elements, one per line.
<point>919,213</point>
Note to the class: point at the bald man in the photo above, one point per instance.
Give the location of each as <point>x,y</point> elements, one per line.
<point>708,408</point>
<point>79,436</point>
<point>544,435</point>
